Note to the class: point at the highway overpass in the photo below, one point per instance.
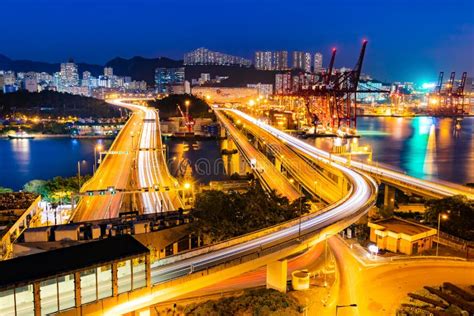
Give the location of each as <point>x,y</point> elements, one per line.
<point>134,164</point>
<point>400,180</point>
<point>176,275</point>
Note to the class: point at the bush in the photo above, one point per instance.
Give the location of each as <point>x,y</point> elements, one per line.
<point>252,302</point>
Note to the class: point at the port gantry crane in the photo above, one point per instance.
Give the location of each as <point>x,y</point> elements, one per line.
<point>331,100</point>
<point>450,100</point>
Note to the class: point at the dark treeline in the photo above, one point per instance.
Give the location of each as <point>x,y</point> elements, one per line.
<point>52,103</point>
<point>168,106</point>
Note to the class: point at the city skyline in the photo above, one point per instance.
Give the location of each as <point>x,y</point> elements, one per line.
<point>427,38</point>
<point>236,157</point>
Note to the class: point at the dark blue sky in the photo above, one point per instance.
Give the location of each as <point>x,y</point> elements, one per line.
<point>408,40</point>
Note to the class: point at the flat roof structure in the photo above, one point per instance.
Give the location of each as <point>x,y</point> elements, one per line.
<point>36,267</point>
<point>401,226</point>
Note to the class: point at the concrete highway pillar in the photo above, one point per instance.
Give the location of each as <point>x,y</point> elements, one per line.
<point>222,132</point>
<point>244,167</point>
<point>277,275</point>
<point>389,197</point>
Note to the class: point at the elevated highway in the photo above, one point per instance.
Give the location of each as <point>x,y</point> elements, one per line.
<point>140,167</point>
<point>176,275</point>
<point>263,169</point>
<point>189,271</point>
<point>114,171</point>
<point>329,186</point>
<point>160,189</point>
<point>397,179</point>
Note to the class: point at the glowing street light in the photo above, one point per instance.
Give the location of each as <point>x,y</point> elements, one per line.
<point>97,148</point>
<point>79,172</point>
<point>187,185</point>
<point>440,216</point>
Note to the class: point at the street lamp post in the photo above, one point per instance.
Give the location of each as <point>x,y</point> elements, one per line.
<point>342,306</point>
<point>187,186</point>
<point>96,148</point>
<point>440,216</point>
<point>79,173</point>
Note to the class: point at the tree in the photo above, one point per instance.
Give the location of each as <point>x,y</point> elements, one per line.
<point>5,190</point>
<point>37,186</point>
<point>55,190</point>
<point>168,106</point>
<point>460,212</point>
<point>220,215</point>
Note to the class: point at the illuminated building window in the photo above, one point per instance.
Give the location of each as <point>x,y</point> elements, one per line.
<point>104,281</point>
<point>88,286</point>
<point>139,275</point>
<point>124,276</point>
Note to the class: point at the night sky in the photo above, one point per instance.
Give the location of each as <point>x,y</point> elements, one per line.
<point>408,40</point>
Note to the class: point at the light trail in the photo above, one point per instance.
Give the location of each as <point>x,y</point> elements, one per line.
<point>152,168</point>
<point>396,176</point>
<point>361,196</point>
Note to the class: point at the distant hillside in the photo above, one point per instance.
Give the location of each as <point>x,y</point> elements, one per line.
<point>53,103</point>
<point>39,66</point>
<point>140,68</point>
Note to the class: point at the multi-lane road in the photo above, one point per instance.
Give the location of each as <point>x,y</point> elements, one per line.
<point>135,163</point>
<point>153,174</point>
<point>359,199</point>
<point>263,168</point>
<point>397,178</point>
<point>314,181</point>
<point>114,171</point>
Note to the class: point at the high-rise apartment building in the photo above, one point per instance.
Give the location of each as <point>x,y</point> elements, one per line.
<point>108,71</point>
<point>30,82</point>
<point>263,60</point>
<point>204,56</point>
<point>302,60</point>
<point>9,78</point>
<point>271,60</point>
<point>318,62</point>
<point>283,83</point>
<point>280,60</point>
<point>86,79</point>
<point>69,76</point>
<point>167,77</point>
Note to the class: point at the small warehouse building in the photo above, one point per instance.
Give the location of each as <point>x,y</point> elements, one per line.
<point>398,235</point>
<point>75,279</point>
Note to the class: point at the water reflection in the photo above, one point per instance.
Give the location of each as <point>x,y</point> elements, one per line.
<point>423,147</point>
<point>21,153</point>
